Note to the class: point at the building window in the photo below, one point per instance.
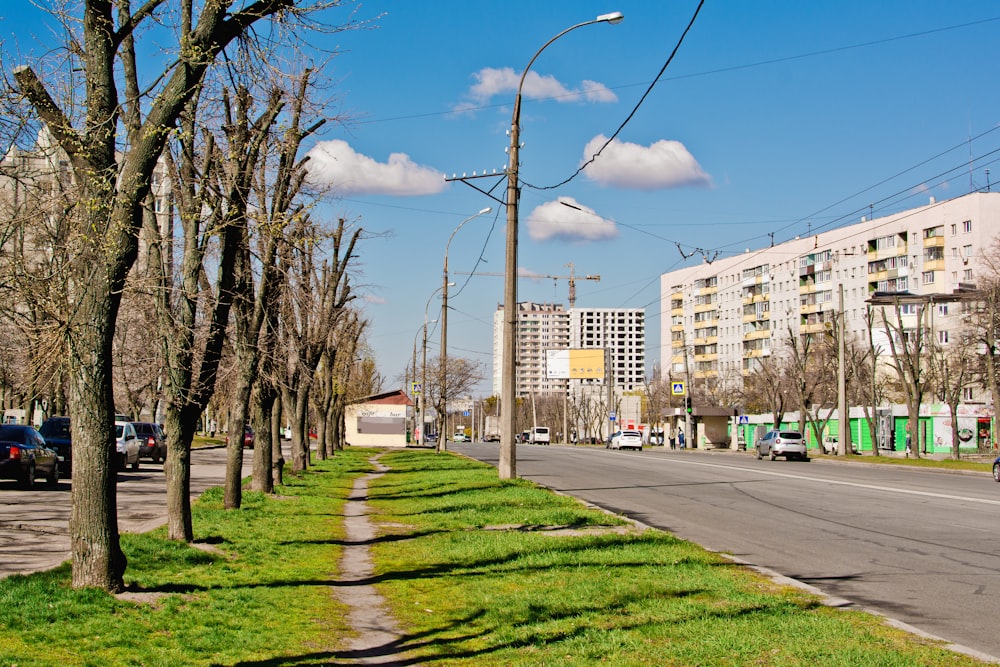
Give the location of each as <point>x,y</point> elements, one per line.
<point>943,337</point>
<point>967,275</point>
<point>927,277</point>
<point>954,229</point>
<point>968,393</point>
<point>967,251</point>
<point>908,309</point>
<point>967,226</point>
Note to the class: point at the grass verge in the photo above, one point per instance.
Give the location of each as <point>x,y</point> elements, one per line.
<point>477,571</point>
<point>260,594</point>
<point>482,571</point>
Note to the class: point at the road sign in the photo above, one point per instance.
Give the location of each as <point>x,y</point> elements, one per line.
<point>612,416</point>
<point>416,387</point>
<point>678,389</point>
<point>744,419</point>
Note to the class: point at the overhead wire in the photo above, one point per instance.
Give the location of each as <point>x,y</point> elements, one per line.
<point>635,109</point>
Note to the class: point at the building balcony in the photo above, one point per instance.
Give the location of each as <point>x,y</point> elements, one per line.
<point>756,354</point>
<point>705,307</point>
<point>934,242</point>
<point>757,335</point>
<point>809,308</point>
<point>934,264</point>
<point>817,327</point>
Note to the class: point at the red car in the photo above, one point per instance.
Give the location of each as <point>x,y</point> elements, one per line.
<point>248,436</point>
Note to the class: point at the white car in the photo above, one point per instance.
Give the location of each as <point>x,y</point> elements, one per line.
<point>626,440</point>
<point>126,445</point>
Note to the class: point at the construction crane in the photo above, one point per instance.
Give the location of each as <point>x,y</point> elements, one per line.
<point>572,278</point>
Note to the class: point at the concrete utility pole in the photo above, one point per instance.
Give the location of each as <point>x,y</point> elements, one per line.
<point>844,430</point>
<point>507,465</point>
<point>442,442</point>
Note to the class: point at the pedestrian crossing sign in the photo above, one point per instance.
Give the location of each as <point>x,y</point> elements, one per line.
<point>678,389</point>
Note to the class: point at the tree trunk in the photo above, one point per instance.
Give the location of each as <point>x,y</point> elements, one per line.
<point>262,479</point>
<point>97,556</point>
<point>177,469</point>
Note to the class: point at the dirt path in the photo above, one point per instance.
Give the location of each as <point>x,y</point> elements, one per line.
<point>378,638</point>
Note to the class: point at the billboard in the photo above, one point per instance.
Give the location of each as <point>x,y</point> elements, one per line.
<point>574,364</point>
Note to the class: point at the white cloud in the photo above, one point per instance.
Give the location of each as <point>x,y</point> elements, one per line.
<point>567,219</point>
<point>664,164</point>
<point>491,81</point>
<point>336,164</point>
<point>598,92</point>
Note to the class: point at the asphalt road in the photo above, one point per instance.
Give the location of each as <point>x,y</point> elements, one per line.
<point>920,547</point>
<point>34,525</point>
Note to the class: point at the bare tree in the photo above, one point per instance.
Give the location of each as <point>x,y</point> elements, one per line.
<point>766,388</point>
<point>112,149</point>
<point>952,366</point>
<point>315,301</point>
<point>909,347</point>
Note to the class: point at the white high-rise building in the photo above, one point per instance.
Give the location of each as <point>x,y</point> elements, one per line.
<point>730,314</point>
<point>621,331</point>
<point>542,327</point>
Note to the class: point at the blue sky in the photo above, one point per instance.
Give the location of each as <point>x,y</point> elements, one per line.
<point>774,118</point>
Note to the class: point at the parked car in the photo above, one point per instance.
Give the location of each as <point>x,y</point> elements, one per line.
<point>996,469</point>
<point>152,441</point>
<point>126,445</point>
<point>57,435</point>
<point>24,456</point>
<point>249,437</point>
<point>789,444</point>
<point>459,437</point>
<point>626,439</point>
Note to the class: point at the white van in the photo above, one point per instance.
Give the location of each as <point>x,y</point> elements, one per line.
<point>539,435</point>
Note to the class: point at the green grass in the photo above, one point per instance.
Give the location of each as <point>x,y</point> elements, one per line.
<point>264,591</point>
<point>979,464</point>
<point>477,571</point>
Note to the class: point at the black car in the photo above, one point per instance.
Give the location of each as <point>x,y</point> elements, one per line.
<point>25,456</point>
<point>56,432</point>
<point>152,441</point>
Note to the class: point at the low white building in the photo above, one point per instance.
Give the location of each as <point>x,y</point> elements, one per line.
<point>379,420</point>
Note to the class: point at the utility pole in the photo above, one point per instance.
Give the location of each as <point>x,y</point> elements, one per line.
<point>689,440</point>
<point>844,430</point>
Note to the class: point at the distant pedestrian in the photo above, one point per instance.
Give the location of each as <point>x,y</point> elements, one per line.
<point>680,438</point>
<point>909,446</point>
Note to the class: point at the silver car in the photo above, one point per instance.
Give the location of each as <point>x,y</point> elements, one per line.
<point>789,444</point>
<point>126,445</point>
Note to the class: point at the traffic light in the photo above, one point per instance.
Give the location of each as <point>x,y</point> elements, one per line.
<point>687,403</point>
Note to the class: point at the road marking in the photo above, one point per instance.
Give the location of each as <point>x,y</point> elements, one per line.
<point>826,480</point>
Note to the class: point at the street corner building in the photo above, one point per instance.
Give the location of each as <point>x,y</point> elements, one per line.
<point>378,421</point>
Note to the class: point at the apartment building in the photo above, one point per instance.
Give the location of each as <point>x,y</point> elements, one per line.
<point>542,327</point>
<point>622,331</point>
<point>731,313</point>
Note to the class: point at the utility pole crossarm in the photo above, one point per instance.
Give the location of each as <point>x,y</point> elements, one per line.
<point>572,278</point>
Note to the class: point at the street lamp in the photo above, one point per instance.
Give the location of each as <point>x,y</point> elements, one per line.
<point>444,327</point>
<point>507,466</point>
<point>423,376</point>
